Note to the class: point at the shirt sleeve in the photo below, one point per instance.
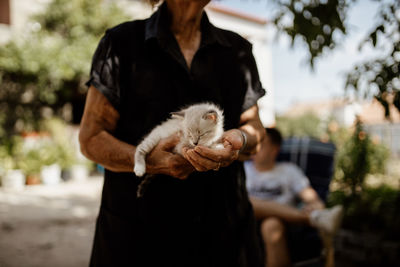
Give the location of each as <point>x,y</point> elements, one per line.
<point>104,74</point>
<point>254,90</point>
<point>298,180</point>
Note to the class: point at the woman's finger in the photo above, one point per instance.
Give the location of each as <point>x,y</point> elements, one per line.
<point>217,155</point>
<point>189,155</point>
<point>224,156</point>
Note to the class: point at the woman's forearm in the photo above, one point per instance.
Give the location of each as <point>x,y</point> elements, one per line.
<point>252,127</point>
<point>108,151</point>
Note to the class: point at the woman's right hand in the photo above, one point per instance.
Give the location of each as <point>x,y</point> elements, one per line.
<point>162,160</point>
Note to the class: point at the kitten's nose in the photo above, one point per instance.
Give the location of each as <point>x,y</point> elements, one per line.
<point>195,143</point>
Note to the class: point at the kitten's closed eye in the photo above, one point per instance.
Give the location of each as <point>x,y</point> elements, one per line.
<point>199,124</point>
<point>205,133</point>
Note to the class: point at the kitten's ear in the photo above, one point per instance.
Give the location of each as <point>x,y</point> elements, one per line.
<point>211,115</point>
<point>178,115</point>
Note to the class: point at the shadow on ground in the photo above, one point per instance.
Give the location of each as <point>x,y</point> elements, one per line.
<point>49,226</point>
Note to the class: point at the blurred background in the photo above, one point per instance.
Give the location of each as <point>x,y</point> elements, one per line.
<point>331,71</point>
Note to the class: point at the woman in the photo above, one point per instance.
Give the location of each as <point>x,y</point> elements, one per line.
<point>196,211</point>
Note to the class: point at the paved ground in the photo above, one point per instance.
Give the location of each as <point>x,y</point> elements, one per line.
<point>49,226</point>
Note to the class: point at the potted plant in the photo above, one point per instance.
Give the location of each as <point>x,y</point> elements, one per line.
<point>51,169</point>
<point>370,234</point>
<point>13,177</point>
<point>63,150</point>
<point>31,164</point>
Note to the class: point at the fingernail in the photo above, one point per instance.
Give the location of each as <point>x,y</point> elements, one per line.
<point>197,149</point>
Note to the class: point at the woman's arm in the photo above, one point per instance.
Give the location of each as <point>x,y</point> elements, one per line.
<point>97,143</point>
<point>96,140</point>
<point>204,159</point>
<point>251,125</point>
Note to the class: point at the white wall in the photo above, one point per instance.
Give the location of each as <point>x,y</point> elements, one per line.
<point>256,33</point>
<point>20,13</point>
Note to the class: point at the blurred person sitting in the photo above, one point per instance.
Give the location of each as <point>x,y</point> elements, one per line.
<point>273,188</point>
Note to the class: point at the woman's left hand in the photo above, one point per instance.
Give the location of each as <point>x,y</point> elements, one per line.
<point>204,159</point>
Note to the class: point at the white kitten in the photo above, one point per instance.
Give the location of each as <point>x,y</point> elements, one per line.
<point>199,124</point>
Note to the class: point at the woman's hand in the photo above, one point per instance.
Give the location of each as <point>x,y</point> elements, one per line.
<point>162,160</point>
<point>204,159</point>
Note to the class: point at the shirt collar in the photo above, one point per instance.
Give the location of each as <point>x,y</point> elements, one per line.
<point>157,28</point>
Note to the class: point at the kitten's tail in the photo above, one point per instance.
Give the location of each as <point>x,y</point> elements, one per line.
<point>142,187</point>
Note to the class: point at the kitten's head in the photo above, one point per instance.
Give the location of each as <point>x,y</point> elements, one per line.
<point>202,124</point>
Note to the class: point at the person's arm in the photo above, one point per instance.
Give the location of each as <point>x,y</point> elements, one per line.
<point>311,200</point>
<point>268,208</point>
<point>98,144</point>
<point>252,126</point>
<point>204,158</point>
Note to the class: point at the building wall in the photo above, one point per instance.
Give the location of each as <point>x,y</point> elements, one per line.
<point>20,14</point>
<point>388,134</point>
<point>256,33</point>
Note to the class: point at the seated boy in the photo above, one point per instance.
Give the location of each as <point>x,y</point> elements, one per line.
<point>273,188</point>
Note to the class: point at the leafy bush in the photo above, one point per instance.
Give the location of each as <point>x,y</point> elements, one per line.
<point>366,209</point>
<point>11,153</point>
<point>306,125</point>
<point>357,157</point>
<point>45,69</point>
<point>375,210</point>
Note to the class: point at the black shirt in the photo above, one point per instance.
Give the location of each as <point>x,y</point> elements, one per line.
<point>207,219</point>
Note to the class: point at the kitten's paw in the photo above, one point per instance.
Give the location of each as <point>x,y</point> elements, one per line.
<point>219,146</point>
<point>139,170</point>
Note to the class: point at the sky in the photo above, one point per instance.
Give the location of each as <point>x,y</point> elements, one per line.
<point>293,79</point>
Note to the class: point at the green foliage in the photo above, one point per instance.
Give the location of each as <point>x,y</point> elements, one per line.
<point>11,154</point>
<point>376,210</point>
<point>31,153</point>
<point>306,125</point>
<point>357,158</point>
<point>60,150</point>
<point>75,19</point>
<point>48,66</point>
<point>381,74</point>
<point>32,162</point>
<point>366,208</point>
<point>318,23</point>
<point>314,22</point>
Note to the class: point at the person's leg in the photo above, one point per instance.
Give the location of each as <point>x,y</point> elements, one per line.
<point>264,209</point>
<point>273,234</point>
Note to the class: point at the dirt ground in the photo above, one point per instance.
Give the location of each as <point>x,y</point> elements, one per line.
<point>49,226</point>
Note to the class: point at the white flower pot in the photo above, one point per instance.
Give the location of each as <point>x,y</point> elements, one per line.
<point>79,173</point>
<point>13,180</point>
<point>51,174</point>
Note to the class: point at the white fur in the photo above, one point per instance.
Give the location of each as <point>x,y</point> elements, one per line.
<point>196,127</point>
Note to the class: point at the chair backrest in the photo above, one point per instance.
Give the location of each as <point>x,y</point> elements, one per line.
<point>314,157</point>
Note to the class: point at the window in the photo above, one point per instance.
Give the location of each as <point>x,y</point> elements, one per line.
<point>5,11</point>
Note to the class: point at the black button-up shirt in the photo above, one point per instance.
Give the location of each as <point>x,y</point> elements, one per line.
<point>205,220</point>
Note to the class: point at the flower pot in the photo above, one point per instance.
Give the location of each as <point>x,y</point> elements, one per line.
<point>13,180</point>
<point>66,175</point>
<point>32,179</point>
<point>79,173</point>
<point>51,174</point>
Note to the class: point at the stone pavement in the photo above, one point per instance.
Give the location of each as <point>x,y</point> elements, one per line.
<point>49,226</point>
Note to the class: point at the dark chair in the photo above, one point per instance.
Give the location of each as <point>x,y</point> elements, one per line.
<point>316,159</point>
